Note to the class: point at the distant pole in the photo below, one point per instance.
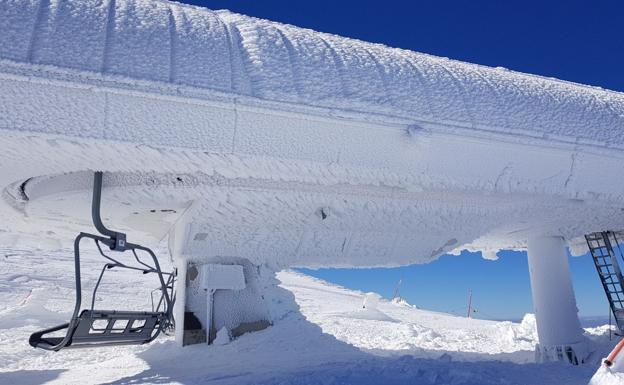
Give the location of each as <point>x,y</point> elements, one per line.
<point>469,303</point>
<point>396,289</point>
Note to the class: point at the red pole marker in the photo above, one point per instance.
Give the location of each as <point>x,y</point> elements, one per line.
<point>614,353</point>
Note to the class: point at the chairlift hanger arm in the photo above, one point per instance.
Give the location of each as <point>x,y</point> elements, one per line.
<point>119,239</point>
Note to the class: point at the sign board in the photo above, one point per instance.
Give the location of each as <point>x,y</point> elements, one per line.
<point>223,277</point>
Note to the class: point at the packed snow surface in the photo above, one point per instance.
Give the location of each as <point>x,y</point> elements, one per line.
<point>321,334</point>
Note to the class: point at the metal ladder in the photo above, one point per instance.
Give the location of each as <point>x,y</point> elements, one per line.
<point>605,251</point>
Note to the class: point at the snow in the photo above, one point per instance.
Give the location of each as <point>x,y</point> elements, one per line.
<point>223,337</point>
<point>604,376</point>
<point>283,147</point>
<point>319,336</point>
<point>179,44</point>
<point>260,125</point>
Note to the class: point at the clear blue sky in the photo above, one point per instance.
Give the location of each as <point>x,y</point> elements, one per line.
<point>576,40</point>
<point>501,289</point>
<point>581,41</point>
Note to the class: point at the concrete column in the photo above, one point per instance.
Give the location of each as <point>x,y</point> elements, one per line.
<point>558,327</point>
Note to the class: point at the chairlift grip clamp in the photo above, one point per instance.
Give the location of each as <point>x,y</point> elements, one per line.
<point>119,242</point>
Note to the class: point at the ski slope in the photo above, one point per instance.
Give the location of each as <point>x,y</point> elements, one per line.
<point>321,334</point>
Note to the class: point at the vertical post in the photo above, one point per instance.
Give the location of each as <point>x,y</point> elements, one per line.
<point>469,303</point>
<point>558,327</point>
<point>396,289</point>
<point>177,239</point>
<point>179,304</point>
<point>209,315</point>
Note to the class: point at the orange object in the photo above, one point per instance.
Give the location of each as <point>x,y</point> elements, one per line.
<point>614,353</point>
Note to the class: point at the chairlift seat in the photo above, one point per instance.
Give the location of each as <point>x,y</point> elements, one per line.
<point>91,327</point>
<point>102,328</point>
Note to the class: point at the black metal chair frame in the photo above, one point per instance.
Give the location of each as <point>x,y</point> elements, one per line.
<point>92,327</point>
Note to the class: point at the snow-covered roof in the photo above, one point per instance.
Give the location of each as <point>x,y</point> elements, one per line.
<point>174,43</point>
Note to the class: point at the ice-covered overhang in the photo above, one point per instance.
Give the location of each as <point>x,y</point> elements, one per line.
<point>293,146</point>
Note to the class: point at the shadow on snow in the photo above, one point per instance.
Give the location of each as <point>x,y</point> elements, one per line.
<point>297,352</point>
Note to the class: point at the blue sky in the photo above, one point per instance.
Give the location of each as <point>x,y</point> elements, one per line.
<point>501,289</point>
<point>574,40</point>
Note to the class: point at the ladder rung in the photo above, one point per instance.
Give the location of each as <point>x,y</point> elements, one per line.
<point>607,265</point>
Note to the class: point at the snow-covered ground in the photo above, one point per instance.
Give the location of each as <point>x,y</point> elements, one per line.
<point>321,335</point>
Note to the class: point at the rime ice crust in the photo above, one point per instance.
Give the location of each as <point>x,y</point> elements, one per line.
<point>171,43</point>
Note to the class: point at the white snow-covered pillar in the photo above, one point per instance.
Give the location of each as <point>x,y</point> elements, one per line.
<point>178,306</point>
<point>558,326</point>
<point>177,237</point>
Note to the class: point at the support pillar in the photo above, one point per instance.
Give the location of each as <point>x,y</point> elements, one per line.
<point>178,306</point>
<point>558,326</point>
<point>177,238</point>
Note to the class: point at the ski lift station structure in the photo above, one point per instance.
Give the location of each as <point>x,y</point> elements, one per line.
<point>235,140</point>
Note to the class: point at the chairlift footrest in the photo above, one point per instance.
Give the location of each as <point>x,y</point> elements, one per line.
<point>112,327</point>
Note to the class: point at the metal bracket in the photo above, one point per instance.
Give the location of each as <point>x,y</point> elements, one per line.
<point>118,239</point>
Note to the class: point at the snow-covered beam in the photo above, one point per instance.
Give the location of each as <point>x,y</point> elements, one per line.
<point>274,123</point>
<point>171,43</point>
<point>558,327</point>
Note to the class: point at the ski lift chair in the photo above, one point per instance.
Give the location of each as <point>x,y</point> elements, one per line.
<point>90,327</point>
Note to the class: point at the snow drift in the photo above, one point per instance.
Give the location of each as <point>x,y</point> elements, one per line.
<point>318,337</point>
